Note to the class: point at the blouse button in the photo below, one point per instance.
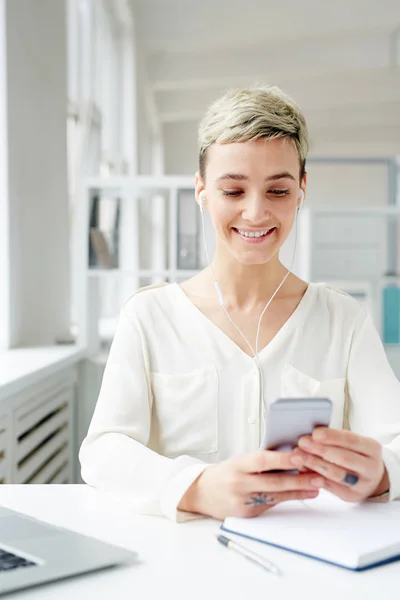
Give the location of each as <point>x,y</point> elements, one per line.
<point>251,420</point>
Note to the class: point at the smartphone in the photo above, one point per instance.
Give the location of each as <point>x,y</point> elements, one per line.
<point>288,419</point>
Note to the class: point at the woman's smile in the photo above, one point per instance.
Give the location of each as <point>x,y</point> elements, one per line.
<point>254,236</point>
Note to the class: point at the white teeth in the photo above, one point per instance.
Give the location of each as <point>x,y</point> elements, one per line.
<point>255,234</point>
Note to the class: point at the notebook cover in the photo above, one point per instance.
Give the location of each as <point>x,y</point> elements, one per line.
<point>363,568</point>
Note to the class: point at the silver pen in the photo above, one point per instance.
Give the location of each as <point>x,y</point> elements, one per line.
<point>250,555</point>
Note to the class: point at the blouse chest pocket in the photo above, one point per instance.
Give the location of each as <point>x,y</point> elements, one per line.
<point>296,384</point>
<point>185,412</point>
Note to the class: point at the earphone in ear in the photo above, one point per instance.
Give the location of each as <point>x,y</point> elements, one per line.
<point>301,198</point>
<point>201,200</point>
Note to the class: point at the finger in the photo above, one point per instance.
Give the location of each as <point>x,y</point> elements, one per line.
<point>347,439</point>
<point>345,492</point>
<point>333,472</point>
<point>349,460</point>
<point>264,460</point>
<point>271,499</point>
<point>254,510</point>
<point>280,482</point>
<point>304,470</point>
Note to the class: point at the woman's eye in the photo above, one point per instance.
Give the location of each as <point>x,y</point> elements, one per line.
<point>231,192</point>
<point>235,193</point>
<point>279,192</point>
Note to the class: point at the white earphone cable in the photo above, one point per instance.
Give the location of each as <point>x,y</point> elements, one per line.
<point>221,300</point>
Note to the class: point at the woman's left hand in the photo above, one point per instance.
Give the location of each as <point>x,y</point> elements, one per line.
<point>351,464</point>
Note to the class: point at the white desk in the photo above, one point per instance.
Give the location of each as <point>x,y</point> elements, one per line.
<point>181,561</point>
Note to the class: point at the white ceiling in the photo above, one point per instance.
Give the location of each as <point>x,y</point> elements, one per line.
<point>339,60</point>
<point>168,25</point>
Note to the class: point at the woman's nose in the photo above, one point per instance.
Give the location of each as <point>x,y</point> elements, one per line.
<point>255,209</point>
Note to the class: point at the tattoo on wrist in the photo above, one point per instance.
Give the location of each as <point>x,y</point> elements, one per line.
<point>260,499</point>
<point>350,479</point>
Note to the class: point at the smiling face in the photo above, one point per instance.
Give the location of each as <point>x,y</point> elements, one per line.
<point>252,193</point>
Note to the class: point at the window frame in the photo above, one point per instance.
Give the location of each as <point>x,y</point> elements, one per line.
<point>5,270</point>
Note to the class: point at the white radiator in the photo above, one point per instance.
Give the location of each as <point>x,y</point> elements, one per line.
<point>5,448</point>
<point>40,432</point>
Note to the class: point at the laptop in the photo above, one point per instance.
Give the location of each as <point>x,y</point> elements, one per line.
<point>33,553</point>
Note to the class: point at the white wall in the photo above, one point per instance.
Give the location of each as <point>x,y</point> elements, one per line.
<point>37,192</point>
<point>180,148</point>
<point>346,184</point>
<point>144,157</point>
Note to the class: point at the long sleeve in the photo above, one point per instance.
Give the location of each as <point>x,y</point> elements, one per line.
<point>374,398</point>
<point>114,456</point>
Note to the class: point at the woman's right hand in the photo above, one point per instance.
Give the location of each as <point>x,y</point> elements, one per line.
<point>242,487</point>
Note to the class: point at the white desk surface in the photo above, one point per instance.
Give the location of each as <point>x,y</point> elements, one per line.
<point>181,561</point>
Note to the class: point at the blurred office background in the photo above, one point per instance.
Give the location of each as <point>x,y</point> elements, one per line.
<point>99,106</point>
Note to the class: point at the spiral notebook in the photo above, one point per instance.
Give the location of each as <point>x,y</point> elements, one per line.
<point>353,536</point>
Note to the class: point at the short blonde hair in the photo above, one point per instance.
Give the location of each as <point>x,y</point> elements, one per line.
<point>244,115</point>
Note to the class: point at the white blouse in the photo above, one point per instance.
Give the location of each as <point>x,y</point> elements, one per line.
<point>178,393</point>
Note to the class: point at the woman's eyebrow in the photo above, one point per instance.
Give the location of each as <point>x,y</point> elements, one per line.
<point>235,176</point>
<point>283,175</point>
<point>241,177</point>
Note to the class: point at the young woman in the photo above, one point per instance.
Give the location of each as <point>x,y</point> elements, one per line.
<point>179,421</point>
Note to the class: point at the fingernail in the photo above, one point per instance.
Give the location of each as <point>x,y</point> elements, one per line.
<point>319,434</point>
<point>313,494</point>
<point>317,482</point>
<point>304,443</point>
<point>297,460</point>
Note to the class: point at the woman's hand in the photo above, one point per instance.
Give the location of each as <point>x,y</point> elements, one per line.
<point>351,464</point>
<point>242,487</point>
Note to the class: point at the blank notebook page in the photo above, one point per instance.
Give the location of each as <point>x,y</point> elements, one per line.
<point>350,535</point>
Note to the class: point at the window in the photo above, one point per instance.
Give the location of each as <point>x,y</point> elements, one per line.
<point>96,101</point>
<point>4,216</point>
